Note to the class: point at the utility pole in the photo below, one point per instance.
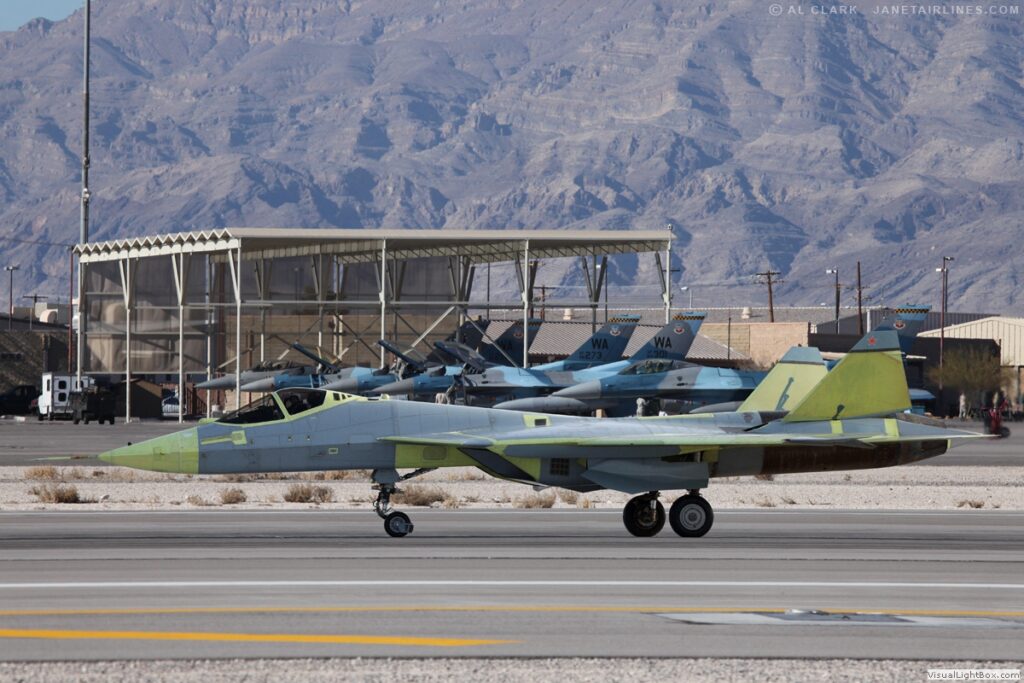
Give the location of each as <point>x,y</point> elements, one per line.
<point>835,271</point>
<point>860,303</point>
<point>769,277</point>
<point>942,323</point>
<point>10,297</point>
<point>83,237</point>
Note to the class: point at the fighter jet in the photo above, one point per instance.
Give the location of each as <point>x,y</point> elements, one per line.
<point>439,367</point>
<point>687,384</point>
<point>605,346</point>
<point>257,372</point>
<point>325,372</point>
<point>851,419</point>
<point>529,389</point>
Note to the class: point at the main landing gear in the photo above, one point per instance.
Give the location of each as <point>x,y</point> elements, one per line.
<point>396,524</point>
<point>689,516</point>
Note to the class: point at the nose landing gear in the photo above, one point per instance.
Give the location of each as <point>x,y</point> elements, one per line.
<point>396,524</point>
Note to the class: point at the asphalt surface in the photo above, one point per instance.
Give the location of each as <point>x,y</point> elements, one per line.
<point>33,443</point>
<point>182,584</point>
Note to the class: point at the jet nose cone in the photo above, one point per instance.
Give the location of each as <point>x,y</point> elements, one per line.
<point>349,385</point>
<point>403,386</point>
<point>178,452</point>
<point>225,382</point>
<point>266,384</point>
<point>582,391</point>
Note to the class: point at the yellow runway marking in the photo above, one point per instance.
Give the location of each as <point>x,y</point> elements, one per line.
<point>550,609</point>
<point>51,634</point>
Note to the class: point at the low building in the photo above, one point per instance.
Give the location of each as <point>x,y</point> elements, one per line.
<point>1008,333</point>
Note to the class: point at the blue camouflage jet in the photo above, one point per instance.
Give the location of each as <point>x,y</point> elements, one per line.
<point>325,372</point>
<point>683,387</point>
<point>529,388</point>
<point>607,344</point>
<point>436,368</point>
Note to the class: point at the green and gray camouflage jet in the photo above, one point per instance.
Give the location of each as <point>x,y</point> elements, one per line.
<point>849,418</point>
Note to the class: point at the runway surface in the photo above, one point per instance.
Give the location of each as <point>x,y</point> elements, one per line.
<point>33,443</point>
<point>185,584</point>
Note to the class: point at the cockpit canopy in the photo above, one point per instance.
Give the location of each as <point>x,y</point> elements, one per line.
<point>275,406</point>
<point>653,366</point>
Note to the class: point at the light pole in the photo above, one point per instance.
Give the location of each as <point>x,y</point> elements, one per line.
<point>686,288</point>
<point>942,322</point>
<point>10,297</point>
<point>835,271</point>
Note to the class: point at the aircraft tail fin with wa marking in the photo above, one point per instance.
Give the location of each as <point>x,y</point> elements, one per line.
<point>674,340</point>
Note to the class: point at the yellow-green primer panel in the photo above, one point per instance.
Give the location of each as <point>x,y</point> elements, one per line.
<point>178,452</point>
<point>430,455</point>
<point>529,465</point>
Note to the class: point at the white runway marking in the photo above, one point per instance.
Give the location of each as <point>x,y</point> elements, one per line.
<point>499,584</point>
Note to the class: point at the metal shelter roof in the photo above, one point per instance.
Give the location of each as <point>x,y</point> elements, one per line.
<point>365,245</point>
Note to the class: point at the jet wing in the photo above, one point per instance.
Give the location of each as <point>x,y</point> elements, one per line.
<point>546,442</point>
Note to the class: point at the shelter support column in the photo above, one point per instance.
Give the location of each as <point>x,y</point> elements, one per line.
<point>526,303</point>
<point>383,295</point>
<point>235,265</point>
<point>82,315</point>
<point>125,266</point>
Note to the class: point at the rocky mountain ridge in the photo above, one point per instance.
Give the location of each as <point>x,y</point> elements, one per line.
<point>795,142</point>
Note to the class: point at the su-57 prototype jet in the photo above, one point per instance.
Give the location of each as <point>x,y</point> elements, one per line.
<point>851,419</point>
<point>605,346</point>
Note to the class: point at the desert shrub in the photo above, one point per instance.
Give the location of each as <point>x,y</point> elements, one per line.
<point>973,504</point>
<point>764,477</point>
<point>42,473</point>
<point>232,496</point>
<point>59,493</point>
<point>305,493</point>
<point>543,499</point>
<point>198,501</point>
<point>568,497</point>
<point>765,503</point>
<point>419,496</point>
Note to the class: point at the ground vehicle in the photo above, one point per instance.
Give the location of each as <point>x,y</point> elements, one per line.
<point>95,403</point>
<point>169,407</point>
<point>18,401</point>
<point>55,399</point>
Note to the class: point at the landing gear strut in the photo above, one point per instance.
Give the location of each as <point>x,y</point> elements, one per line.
<point>691,515</point>
<point>644,515</point>
<point>396,524</point>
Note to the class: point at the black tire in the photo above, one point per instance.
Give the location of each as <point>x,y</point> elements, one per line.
<point>1004,432</point>
<point>111,418</point>
<point>76,419</point>
<point>85,418</point>
<point>691,516</point>
<point>638,517</point>
<point>397,524</point>
<point>40,416</point>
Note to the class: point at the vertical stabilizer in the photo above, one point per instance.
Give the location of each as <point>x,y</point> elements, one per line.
<point>786,385</point>
<point>674,340</point>
<point>607,344</point>
<point>868,381</point>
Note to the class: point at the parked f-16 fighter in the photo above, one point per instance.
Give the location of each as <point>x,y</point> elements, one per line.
<point>852,419</point>
<point>325,372</point>
<point>528,388</point>
<point>436,369</point>
<point>257,372</point>
<point>605,346</point>
<point>715,389</point>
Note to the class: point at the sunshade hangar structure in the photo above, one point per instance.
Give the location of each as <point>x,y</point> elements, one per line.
<point>198,302</point>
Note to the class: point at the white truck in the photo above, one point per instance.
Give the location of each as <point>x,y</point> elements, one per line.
<point>55,401</point>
